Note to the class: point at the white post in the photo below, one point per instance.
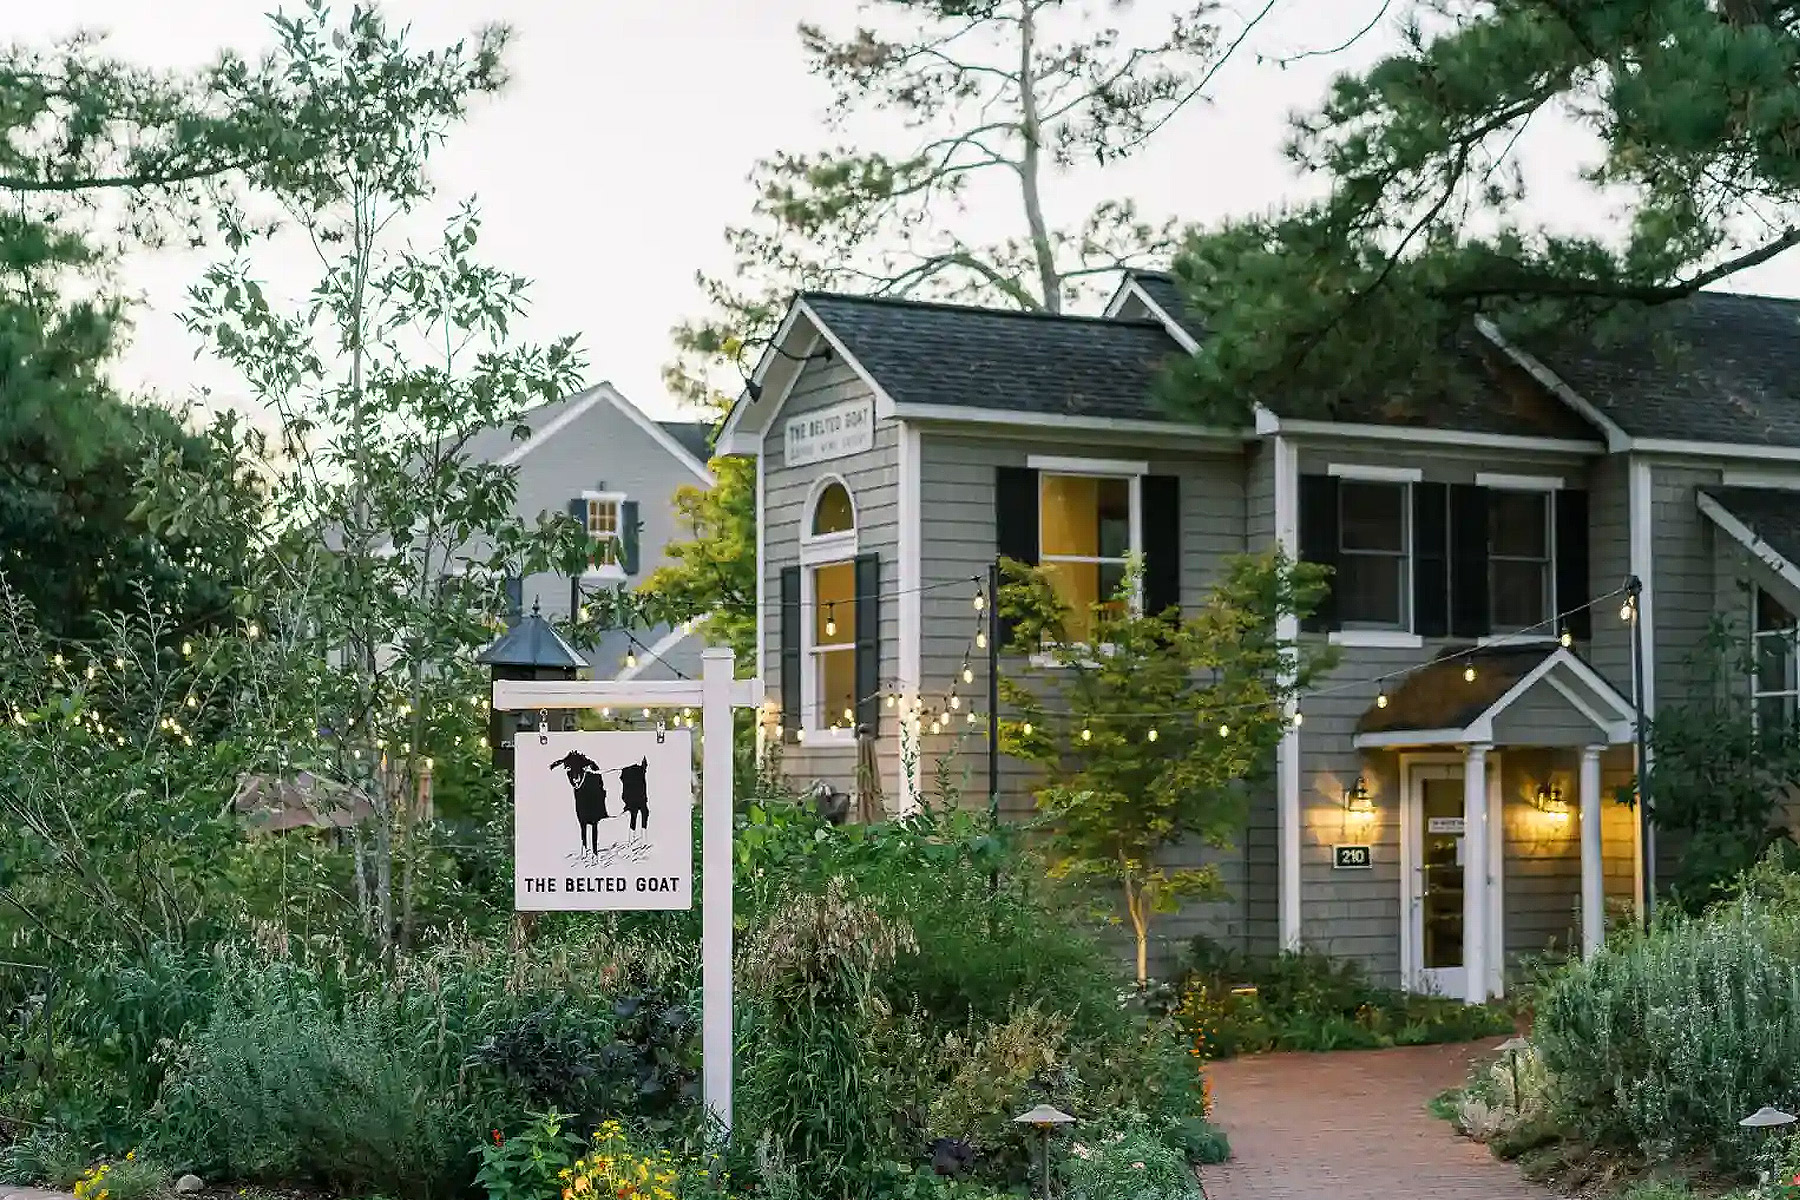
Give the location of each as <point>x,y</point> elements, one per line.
<point>1593,867</point>
<point>717,668</point>
<point>1475,873</point>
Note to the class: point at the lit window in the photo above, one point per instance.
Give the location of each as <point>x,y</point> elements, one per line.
<point>603,529</point>
<point>833,512</point>
<point>1775,687</point>
<point>1084,539</point>
<point>834,645</point>
<point>1520,580</point>
<point>1374,537</point>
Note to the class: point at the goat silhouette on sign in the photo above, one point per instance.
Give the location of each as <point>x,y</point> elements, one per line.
<point>635,793</point>
<point>590,795</point>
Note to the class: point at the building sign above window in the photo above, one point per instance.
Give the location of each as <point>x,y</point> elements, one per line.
<point>842,429</point>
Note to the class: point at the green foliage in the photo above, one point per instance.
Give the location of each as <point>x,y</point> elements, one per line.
<point>712,574</point>
<point>129,1178</point>
<point>1128,1161</point>
<point>1661,1042</point>
<point>1153,741</point>
<point>525,1166</point>
<point>45,1156</point>
<point>1718,777</point>
<point>1364,296</point>
<point>1302,1000</point>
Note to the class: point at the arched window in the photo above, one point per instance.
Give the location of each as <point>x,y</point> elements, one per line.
<point>832,511</point>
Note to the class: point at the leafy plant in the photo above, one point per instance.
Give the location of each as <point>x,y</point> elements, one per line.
<point>1128,1161</point>
<point>127,1178</point>
<point>1122,789</point>
<point>529,1164</point>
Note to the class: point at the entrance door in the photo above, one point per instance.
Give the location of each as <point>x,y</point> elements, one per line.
<point>1438,868</point>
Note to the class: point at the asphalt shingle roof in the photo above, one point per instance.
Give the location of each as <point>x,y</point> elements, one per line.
<point>1165,293</point>
<point>1772,514</point>
<point>1436,696</point>
<point>948,354</point>
<point>693,436</point>
<point>1717,367</point>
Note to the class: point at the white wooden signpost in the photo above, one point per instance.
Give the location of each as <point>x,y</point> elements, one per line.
<point>569,856</point>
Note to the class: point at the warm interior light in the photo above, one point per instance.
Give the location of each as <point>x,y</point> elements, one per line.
<point>1357,801</point>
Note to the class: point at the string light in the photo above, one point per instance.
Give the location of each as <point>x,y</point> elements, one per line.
<point>119,664</point>
<point>254,631</point>
<point>831,620</point>
<point>955,700</point>
<point>778,729</point>
<point>968,675</point>
<point>607,713</point>
<point>891,700</point>
<point>646,713</point>
<point>631,660</point>
<point>1027,729</point>
<point>980,600</point>
<point>981,640</point>
<point>800,735</point>
<point>92,671</point>
<point>57,659</point>
<point>971,716</point>
<point>1627,610</point>
<point>935,727</point>
<point>187,649</point>
<point>1224,731</point>
<point>1567,639</point>
<point>1152,734</point>
<point>849,716</point>
<point>1087,735</point>
<point>1299,717</point>
<point>1381,699</point>
<point>1469,673</point>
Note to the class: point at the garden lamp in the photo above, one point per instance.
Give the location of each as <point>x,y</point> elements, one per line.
<point>1511,1047</point>
<point>1045,1120</point>
<point>1771,1121</point>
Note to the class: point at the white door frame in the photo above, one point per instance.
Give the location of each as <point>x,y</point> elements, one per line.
<point>1450,765</point>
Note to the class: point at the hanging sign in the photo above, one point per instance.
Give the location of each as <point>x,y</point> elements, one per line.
<point>1444,825</point>
<point>603,821</point>
<point>841,429</point>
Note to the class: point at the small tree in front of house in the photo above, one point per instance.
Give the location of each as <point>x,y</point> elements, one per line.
<point>1153,730</point>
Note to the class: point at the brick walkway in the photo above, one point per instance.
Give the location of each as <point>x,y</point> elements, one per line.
<point>1351,1126</point>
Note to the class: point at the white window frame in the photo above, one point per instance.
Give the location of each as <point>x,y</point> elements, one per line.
<point>1547,487</point>
<point>1791,636</point>
<point>1053,466</point>
<point>823,550</point>
<point>1403,635</point>
<point>614,571</point>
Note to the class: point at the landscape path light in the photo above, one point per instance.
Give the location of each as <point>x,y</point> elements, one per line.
<point>1046,1120</point>
<point>1511,1047</point>
<point>1771,1121</point>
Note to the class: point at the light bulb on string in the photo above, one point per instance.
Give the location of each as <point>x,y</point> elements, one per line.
<point>935,727</point>
<point>1469,673</point>
<point>187,649</point>
<point>254,631</point>
<point>955,700</point>
<point>800,735</point>
<point>980,600</point>
<point>1627,610</point>
<point>631,660</point>
<point>1151,735</point>
<point>849,716</point>
<point>1567,639</point>
<point>1299,717</point>
<point>1087,735</point>
<point>646,714</point>
<point>118,664</point>
<point>1381,700</point>
<point>830,620</point>
<point>981,640</point>
<point>968,676</point>
<point>1026,729</point>
<point>778,730</point>
<point>57,658</point>
<point>890,700</point>
<point>606,712</point>
<point>1224,731</point>
<point>971,716</point>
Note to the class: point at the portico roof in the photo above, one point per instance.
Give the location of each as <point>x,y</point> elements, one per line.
<point>1539,694</point>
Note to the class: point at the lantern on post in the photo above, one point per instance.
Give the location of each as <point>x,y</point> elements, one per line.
<point>531,649</point>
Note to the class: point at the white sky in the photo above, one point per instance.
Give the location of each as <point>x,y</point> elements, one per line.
<point>609,169</point>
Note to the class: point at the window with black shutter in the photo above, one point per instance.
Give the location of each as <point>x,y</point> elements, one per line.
<point>1161,499</point>
<point>1469,598</point>
<point>1573,588</point>
<point>1521,562</point>
<point>1431,559</point>
<point>1374,567</point>
<point>790,654</point>
<point>1319,543</point>
<point>834,633</point>
<point>1015,523</point>
<point>868,642</point>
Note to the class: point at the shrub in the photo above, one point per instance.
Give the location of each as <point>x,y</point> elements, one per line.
<point>45,1156</point>
<point>1662,1042</point>
<point>128,1178</point>
<point>528,1165</point>
<point>1128,1161</point>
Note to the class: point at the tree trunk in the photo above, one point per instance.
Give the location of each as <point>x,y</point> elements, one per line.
<point>1031,163</point>
<point>1136,909</point>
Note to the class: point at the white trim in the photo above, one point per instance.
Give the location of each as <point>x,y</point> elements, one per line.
<point>524,695</point>
<point>1365,473</point>
<point>562,421</point>
<point>1481,729</point>
<point>1412,770</point>
<point>884,403</point>
<point>828,548</point>
<point>1496,880</point>
<point>658,434</point>
<point>1519,483</point>
<point>731,439</point>
<point>1133,290</point>
<point>762,572</point>
<point>1681,447</point>
<point>1777,480</point>
<point>1396,738</point>
<point>1746,537</point>
<point>1593,852</point>
<point>664,645</point>
<point>813,721</point>
<point>1287,769</point>
<point>1011,418</point>
<point>1617,439</point>
<point>1268,423</point>
<point>1057,465</point>
<point>822,549</point>
<point>910,618</point>
<point>1641,509</point>
<point>1375,639</point>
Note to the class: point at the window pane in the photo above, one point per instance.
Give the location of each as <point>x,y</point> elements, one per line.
<point>1078,586</point>
<point>1442,875</point>
<point>1775,662</point>
<point>837,688</point>
<point>1373,516</point>
<point>1770,614</point>
<point>1371,590</point>
<point>1082,517</point>
<point>603,518</point>
<point>1773,712</point>
<point>1519,524</point>
<point>833,513</point>
<point>1520,593</point>
<point>834,605</point>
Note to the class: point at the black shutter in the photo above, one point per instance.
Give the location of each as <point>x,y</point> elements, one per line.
<point>1319,542</point>
<point>1469,561</point>
<point>1431,559</point>
<point>1160,498</point>
<point>868,642</point>
<point>790,653</point>
<point>1572,584</point>
<point>628,536</point>
<point>1015,524</point>
<point>515,598</point>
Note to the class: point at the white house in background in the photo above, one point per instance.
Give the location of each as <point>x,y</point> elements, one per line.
<point>598,457</point>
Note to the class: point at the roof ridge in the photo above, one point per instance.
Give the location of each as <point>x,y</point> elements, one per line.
<point>983,310</point>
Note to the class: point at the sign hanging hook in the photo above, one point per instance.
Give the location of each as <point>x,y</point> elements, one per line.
<point>659,730</point>
<point>543,727</point>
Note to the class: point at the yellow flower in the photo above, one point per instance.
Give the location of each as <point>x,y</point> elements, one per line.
<point>581,1183</point>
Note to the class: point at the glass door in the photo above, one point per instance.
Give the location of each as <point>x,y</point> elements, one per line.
<point>1439,864</point>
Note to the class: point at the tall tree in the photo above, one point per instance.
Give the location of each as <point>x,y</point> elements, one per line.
<point>999,102</point>
<point>1428,220</point>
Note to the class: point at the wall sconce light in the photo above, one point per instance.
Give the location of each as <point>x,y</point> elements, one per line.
<point>1357,802</point>
<point>1550,800</point>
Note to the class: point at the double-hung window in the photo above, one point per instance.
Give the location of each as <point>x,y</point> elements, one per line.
<point>1775,684</point>
<point>1521,562</point>
<point>1374,567</point>
<point>610,522</point>
<point>603,528</point>
<point>1085,540</point>
<point>830,655</point>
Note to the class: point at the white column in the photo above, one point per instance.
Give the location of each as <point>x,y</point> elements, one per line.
<point>1593,867</point>
<point>1475,872</point>
<point>1287,774</point>
<point>716,670</point>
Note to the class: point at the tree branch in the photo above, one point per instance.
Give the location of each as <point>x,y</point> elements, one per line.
<point>1548,286</point>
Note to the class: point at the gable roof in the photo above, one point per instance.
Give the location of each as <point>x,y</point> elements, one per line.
<point>678,439</point>
<point>1765,521</point>
<point>693,436</point>
<point>1715,368</point>
<point>953,355</point>
<point>1159,291</point>
<point>1437,703</point>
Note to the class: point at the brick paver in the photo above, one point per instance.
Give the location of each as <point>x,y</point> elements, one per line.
<point>1351,1126</point>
